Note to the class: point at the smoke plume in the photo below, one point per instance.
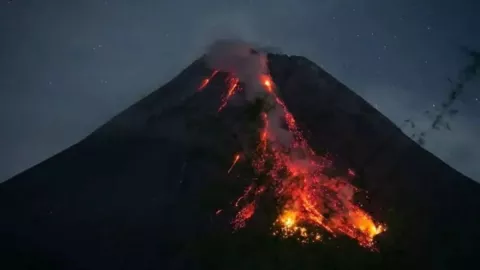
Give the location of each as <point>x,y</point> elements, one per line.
<point>307,194</point>
<point>249,65</point>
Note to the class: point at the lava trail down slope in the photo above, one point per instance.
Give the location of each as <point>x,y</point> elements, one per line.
<point>245,160</point>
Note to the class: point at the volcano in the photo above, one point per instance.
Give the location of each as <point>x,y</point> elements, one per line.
<point>245,160</point>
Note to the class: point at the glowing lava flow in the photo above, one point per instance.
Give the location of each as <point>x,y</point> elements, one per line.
<point>232,86</point>
<point>235,160</point>
<point>206,81</point>
<point>310,199</point>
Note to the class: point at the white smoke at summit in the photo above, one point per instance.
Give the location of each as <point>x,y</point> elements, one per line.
<point>249,65</point>
<point>239,59</point>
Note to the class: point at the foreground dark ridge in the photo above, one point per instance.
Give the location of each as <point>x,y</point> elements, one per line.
<point>141,191</point>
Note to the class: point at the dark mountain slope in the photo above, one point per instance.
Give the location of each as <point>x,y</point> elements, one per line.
<point>141,192</point>
<point>434,210</point>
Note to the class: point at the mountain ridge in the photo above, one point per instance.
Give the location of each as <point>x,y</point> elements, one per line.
<point>130,174</point>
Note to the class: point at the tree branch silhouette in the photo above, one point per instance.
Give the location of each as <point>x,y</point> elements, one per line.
<point>466,75</point>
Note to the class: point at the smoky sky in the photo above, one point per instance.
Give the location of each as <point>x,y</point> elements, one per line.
<point>68,66</point>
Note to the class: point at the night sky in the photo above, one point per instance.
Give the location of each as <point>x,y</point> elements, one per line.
<point>66,66</point>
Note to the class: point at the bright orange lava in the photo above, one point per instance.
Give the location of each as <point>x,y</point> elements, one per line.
<point>267,82</point>
<point>235,160</point>
<point>232,87</point>
<point>310,199</point>
<point>207,80</point>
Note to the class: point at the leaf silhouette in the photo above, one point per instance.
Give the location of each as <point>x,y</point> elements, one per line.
<point>421,141</point>
<point>447,126</point>
<point>453,112</point>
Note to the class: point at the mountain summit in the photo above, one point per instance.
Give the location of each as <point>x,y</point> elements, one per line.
<point>245,160</point>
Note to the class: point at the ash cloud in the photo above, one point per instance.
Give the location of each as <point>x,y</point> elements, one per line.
<point>249,64</point>
<point>276,132</point>
<point>238,58</point>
